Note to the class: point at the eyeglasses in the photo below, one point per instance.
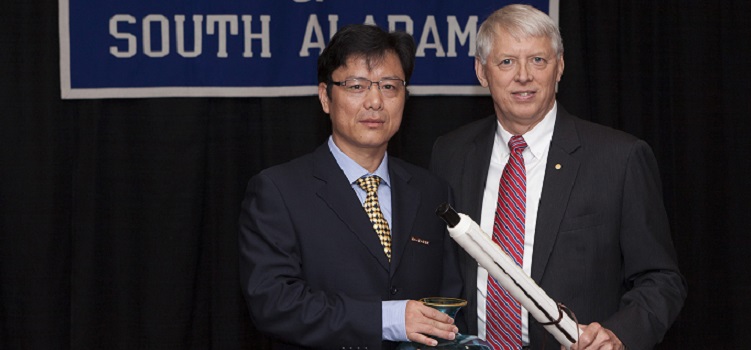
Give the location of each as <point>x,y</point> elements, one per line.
<point>389,87</point>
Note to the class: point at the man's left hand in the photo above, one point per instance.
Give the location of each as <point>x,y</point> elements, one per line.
<point>596,337</point>
<point>421,321</point>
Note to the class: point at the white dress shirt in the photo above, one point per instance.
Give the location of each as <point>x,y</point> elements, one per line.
<point>535,155</point>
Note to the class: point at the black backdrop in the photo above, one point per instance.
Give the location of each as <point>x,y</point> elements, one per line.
<point>118,217</point>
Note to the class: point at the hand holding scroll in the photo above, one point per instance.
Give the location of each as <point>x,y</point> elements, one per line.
<point>489,255</point>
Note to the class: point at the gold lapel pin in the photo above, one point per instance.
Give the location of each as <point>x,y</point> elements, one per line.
<point>558,167</point>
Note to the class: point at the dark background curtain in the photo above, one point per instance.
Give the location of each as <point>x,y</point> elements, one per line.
<point>118,217</point>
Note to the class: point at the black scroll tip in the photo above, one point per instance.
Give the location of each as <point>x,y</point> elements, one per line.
<point>448,214</point>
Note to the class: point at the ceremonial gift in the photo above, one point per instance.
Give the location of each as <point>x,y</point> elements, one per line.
<point>489,255</point>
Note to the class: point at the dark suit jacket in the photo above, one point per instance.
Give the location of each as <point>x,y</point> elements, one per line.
<point>602,244</point>
<point>313,270</point>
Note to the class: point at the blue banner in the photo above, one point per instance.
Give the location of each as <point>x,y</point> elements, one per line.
<point>232,48</point>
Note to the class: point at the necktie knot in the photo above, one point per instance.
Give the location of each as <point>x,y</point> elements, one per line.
<point>517,144</point>
<point>369,183</point>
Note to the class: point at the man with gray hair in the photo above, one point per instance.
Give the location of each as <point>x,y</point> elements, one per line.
<point>577,205</point>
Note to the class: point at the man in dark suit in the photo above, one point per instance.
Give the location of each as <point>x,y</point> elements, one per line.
<point>317,271</point>
<point>595,231</point>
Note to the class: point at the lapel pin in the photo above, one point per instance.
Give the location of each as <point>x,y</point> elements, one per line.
<point>420,240</point>
<point>558,167</point>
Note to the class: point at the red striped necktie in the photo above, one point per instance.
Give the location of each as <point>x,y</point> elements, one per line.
<point>503,321</point>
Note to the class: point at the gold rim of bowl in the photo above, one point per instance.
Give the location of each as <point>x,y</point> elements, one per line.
<point>443,301</point>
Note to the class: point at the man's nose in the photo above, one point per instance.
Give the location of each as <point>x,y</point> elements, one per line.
<point>524,74</point>
<point>373,97</point>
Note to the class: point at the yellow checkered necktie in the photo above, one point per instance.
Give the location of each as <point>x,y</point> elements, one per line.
<point>371,206</point>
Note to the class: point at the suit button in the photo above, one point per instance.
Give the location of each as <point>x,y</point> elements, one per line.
<point>394,290</point>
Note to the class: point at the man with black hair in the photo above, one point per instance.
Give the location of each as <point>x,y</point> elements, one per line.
<point>337,245</point>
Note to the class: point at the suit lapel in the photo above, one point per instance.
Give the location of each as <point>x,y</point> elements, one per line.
<point>474,176</point>
<point>560,173</point>
<point>405,200</point>
<point>476,163</point>
<point>337,193</point>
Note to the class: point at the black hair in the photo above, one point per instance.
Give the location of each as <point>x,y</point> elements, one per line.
<point>368,41</point>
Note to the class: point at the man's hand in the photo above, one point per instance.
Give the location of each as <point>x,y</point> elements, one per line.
<point>594,336</point>
<point>421,321</point>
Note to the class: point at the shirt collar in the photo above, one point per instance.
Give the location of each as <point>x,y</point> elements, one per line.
<point>537,139</point>
<point>354,171</point>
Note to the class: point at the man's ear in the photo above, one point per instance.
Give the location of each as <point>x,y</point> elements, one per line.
<point>323,96</point>
<point>561,65</point>
<point>480,71</point>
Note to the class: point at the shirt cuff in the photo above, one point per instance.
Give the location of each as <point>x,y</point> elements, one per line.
<point>392,315</point>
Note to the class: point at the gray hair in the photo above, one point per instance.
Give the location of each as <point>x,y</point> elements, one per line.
<point>520,21</point>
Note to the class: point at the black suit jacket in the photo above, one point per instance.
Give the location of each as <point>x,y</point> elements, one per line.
<point>602,244</point>
<point>313,270</point>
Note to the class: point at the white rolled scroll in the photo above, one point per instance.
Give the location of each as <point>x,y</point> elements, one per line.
<point>489,255</point>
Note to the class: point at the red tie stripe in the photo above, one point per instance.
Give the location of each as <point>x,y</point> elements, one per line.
<point>503,321</point>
